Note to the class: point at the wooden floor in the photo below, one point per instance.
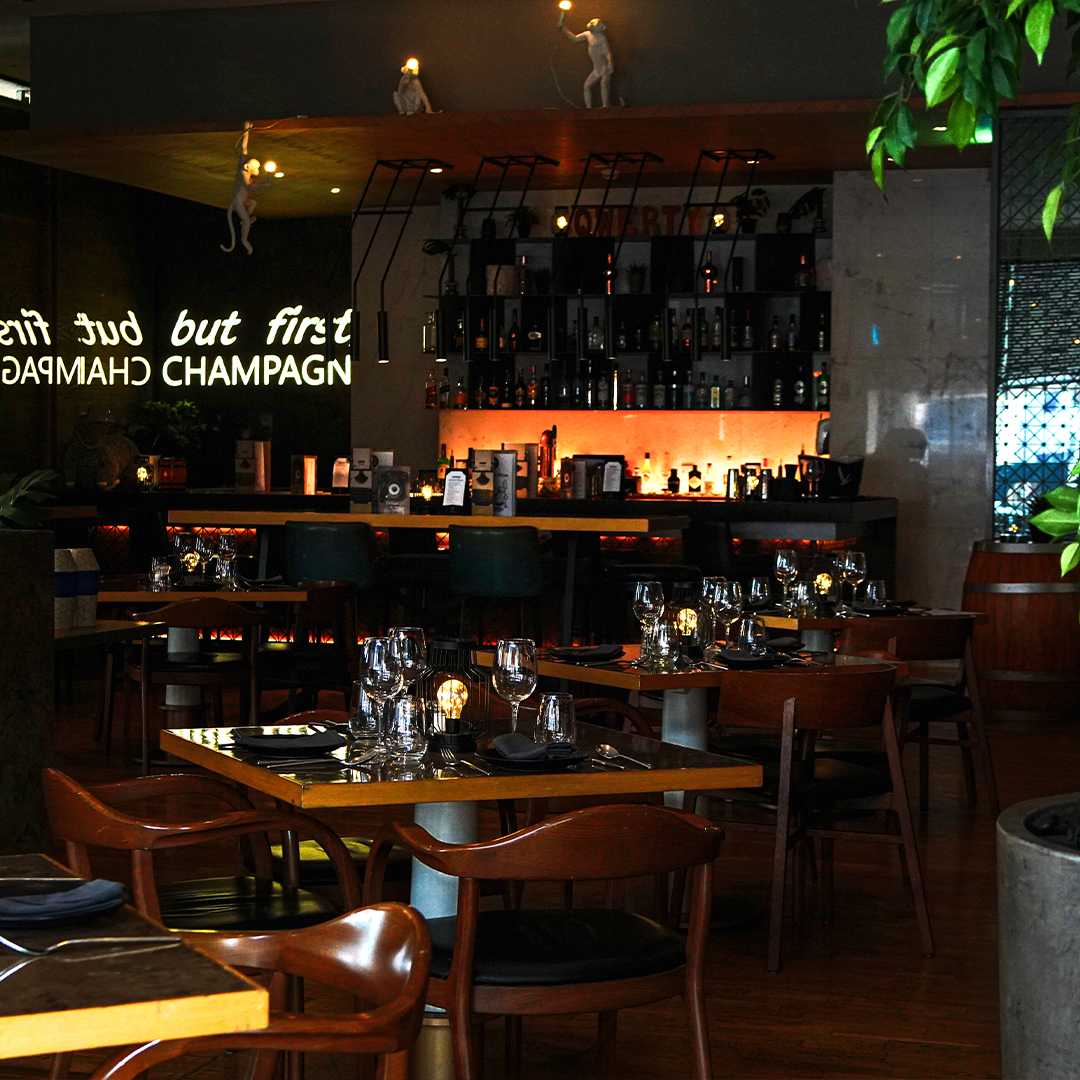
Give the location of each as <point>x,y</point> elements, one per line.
<point>854,999</point>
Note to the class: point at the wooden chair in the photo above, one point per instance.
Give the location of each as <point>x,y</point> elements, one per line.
<point>225,665</point>
<point>85,817</point>
<point>613,713</point>
<point>806,790</point>
<point>924,639</point>
<point>381,955</point>
<point>517,963</point>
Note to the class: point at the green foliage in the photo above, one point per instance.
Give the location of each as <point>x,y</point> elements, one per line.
<point>754,205</point>
<point>1063,519</point>
<point>966,55</point>
<point>167,427</point>
<point>20,500</point>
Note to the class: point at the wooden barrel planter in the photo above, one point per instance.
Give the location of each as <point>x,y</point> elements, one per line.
<point>1027,656</point>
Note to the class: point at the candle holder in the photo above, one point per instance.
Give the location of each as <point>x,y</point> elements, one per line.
<point>456,695</point>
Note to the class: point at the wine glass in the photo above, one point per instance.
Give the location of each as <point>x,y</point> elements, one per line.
<point>729,609</point>
<point>206,550</point>
<point>787,570</point>
<point>380,672</point>
<point>225,571</point>
<point>759,593</point>
<point>412,650</point>
<point>514,673</point>
<point>648,607</point>
<point>852,567</point>
<point>710,593</point>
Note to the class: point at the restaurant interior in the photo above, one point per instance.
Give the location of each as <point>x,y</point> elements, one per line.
<point>539,539</point>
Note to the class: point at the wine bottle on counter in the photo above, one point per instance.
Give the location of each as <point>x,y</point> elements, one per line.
<point>545,389</point>
<point>513,339</point>
<point>443,462</point>
<point>774,333</point>
<point>431,397</point>
<point>532,390</point>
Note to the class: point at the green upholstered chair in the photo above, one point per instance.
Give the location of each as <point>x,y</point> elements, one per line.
<point>330,551</point>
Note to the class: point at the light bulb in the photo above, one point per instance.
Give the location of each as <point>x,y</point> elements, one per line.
<point>451,698</point>
<point>822,584</point>
<point>427,491</point>
<point>413,65</point>
<point>279,175</point>
<point>142,474</point>
<point>687,619</point>
<point>718,220</point>
<point>562,221</point>
<point>335,191</point>
<point>270,166</point>
<point>565,5</point>
<point>436,170</point>
<point>190,559</point>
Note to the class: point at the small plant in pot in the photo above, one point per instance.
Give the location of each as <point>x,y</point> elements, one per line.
<point>636,277</point>
<point>1062,520</point>
<point>748,208</point>
<point>21,498</point>
<point>521,221</point>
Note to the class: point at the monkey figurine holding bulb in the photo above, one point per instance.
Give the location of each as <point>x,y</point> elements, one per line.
<point>409,97</point>
<point>600,54</point>
<point>243,204</point>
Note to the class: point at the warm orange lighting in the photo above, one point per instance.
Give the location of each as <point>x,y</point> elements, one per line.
<point>687,620</point>
<point>335,191</point>
<point>565,5</point>
<point>822,584</point>
<point>190,559</point>
<point>279,175</point>
<point>427,491</point>
<point>270,166</point>
<point>436,170</point>
<point>412,64</point>
<point>142,474</point>
<point>718,220</point>
<point>451,697</point>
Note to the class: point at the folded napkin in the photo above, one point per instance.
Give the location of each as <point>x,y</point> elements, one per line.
<point>785,644</point>
<point>517,747</point>
<point>889,608</point>
<point>264,583</point>
<point>740,658</point>
<point>91,895</point>
<point>587,653</point>
<point>321,742</point>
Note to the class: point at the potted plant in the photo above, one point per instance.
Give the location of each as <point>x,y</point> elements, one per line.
<point>21,499</point>
<point>521,221</point>
<point>1062,519</point>
<point>636,277</point>
<point>748,208</point>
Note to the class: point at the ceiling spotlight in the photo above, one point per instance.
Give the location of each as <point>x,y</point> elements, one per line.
<point>940,127</point>
<point>436,170</point>
<point>753,161</point>
<point>718,220</point>
<point>270,166</point>
<point>565,5</point>
<point>335,191</point>
<point>412,64</point>
<point>279,175</point>
<point>560,221</point>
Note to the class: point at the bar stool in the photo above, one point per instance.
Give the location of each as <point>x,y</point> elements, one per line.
<point>496,563</point>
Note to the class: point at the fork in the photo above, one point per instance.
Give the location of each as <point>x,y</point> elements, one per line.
<point>451,758</point>
<point>173,939</point>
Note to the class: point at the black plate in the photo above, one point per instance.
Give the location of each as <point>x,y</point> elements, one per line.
<point>875,610</point>
<point>493,757</point>
<point>297,746</point>
<point>737,661</point>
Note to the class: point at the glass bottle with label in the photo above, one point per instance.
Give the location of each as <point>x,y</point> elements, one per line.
<point>513,338</point>
<point>748,333</point>
<point>693,482</point>
<point>535,338</point>
<point>709,273</point>
<point>459,335</point>
<point>588,389</point>
<point>532,389</point>
<point>686,391</point>
<point>603,391</point>
<point>777,392</point>
<point>686,335</point>
<point>746,395</point>
<point>792,334</point>
<point>804,276</point>
<point>718,330</point>
<point>545,389</point>
<point>596,335</point>
<point>579,386</point>
<point>622,340</point>
<point>506,397</point>
<point>822,384</point>
<point>716,394</point>
<point>709,484</point>
<point>798,391</point>
<point>729,394</point>
<point>493,397</point>
<point>461,395</point>
<point>627,392</point>
<point>659,394</point>
<point>641,391</point>
<point>520,392</point>
<point>500,338</point>
<point>673,482</point>
<point>444,391</point>
<point>566,388</point>
<point>703,331</point>
<point>480,343</point>
<point>774,333</point>
<point>443,462</point>
<point>479,395</point>
<point>646,474</point>
<point>431,397</point>
<point>701,395</point>
<point>656,333</point>
<point>822,334</point>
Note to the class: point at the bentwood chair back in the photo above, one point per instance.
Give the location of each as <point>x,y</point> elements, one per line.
<point>381,955</point>
<point>807,790</point>
<point>514,962</point>
<point>87,817</point>
<point>923,639</point>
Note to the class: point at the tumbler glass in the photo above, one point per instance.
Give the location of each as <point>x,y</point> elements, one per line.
<point>556,721</point>
<point>159,573</point>
<point>406,736</point>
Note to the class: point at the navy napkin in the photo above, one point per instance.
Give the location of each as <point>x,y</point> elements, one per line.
<point>91,895</point>
<point>517,747</point>
<point>321,742</point>
<point>587,653</point>
<point>740,658</point>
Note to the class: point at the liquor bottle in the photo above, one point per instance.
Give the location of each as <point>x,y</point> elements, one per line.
<point>709,485</point>
<point>822,384</point>
<point>708,272</point>
<point>525,277</point>
<point>639,339</point>
<point>748,333</point>
<point>736,333</point>
<point>774,333</point>
<point>500,339</point>
<point>579,387</point>
<point>798,391</point>
<point>659,394</point>
<point>686,391</point>
<point>535,338</point>
<point>777,392</point>
<point>480,343</point>
<point>588,386</point>
<point>545,389</point>
<point>804,276</point>
<point>646,474</point>
<point>686,336</point>
<point>656,333</point>
<point>792,334</point>
<point>513,339</point>
<point>703,331</point>
<point>506,397</point>
<point>746,396</point>
<point>673,482</point>
<point>566,388</point>
<point>479,394</point>
<point>641,391</point>
<point>729,394</point>
<point>532,390</point>
<point>701,397</point>
<point>520,392</point>
<point>627,392</point>
<point>459,335</point>
<point>493,400</point>
<point>622,341</point>
<point>444,391</point>
<point>431,397</point>
<point>443,463</point>
<point>822,337</point>
<point>596,335</point>
<point>616,389</point>
<point>672,394</point>
<point>461,395</point>
<point>716,394</point>
<point>603,391</point>
<point>693,481</point>
<point>718,330</point>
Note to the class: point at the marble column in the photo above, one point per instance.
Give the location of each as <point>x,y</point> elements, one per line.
<point>912,372</point>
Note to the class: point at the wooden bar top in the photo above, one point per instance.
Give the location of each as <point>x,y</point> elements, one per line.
<point>135,589</point>
<point>105,632</point>
<point>93,996</point>
<point>658,523</point>
<point>429,780</point>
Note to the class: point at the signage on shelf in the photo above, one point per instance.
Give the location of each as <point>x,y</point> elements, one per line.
<point>28,354</point>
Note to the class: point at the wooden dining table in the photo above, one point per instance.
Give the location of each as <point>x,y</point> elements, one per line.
<point>818,632</point>
<point>83,997</point>
<point>571,526</point>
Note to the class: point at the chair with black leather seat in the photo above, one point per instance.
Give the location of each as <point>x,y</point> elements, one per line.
<point>413,568</point>
<point>217,664</point>
<point>87,817</point>
<point>307,664</point>
<point>929,639</point>
<point>515,962</point>
<point>806,791</point>
<point>497,562</point>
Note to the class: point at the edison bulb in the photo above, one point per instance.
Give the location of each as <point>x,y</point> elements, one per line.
<point>190,559</point>
<point>823,583</point>
<point>562,221</point>
<point>427,491</point>
<point>565,5</point>
<point>451,698</point>
<point>142,474</point>
<point>412,64</point>
<point>270,166</point>
<point>687,620</point>
<point>718,220</point>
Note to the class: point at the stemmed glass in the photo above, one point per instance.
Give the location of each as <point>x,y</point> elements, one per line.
<point>729,607</point>
<point>710,593</point>
<point>206,550</point>
<point>381,674</point>
<point>648,607</point>
<point>852,567</point>
<point>225,572</point>
<point>412,651</point>
<point>514,673</point>
<point>759,593</point>
<point>787,570</point>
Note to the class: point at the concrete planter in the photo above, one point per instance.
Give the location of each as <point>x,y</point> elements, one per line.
<point>1039,943</point>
